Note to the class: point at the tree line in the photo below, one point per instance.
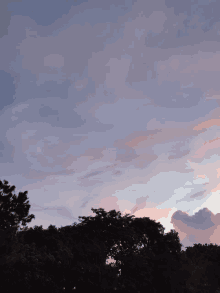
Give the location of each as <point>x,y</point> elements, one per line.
<point>74,257</point>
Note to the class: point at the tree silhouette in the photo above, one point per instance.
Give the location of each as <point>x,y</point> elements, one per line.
<point>146,259</point>
<point>78,259</point>
<point>204,266</point>
<point>139,241</point>
<point>13,210</point>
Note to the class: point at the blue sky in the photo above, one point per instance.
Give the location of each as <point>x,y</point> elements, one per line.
<point>114,105</point>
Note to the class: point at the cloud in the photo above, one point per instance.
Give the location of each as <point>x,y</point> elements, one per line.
<point>113,105</point>
<point>202,227</point>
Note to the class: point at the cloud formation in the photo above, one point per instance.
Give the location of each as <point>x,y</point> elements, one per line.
<point>115,105</point>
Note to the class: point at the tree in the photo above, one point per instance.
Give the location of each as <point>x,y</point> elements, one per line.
<point>167,251</point>
<point>33,270</point>
<point>110,228</point>
<point>75,257</point>
<point>89,258</point>
<point>13,210</point>
<point>128,241</point>
<point>137,273</point>
<point>78,259</point>
<point>158,257</point>
<point>48,241</point>
<point>203,266</point>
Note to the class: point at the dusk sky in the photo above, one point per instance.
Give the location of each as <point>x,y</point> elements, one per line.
<point>113,105</point>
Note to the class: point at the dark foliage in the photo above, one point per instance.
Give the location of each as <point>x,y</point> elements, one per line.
<point>13,209</point>
<point>147,260</point>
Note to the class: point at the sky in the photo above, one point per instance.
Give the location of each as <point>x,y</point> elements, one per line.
<point>113,105</point>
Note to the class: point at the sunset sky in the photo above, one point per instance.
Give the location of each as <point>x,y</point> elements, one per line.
<point>114,105</point>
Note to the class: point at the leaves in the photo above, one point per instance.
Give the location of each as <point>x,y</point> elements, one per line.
<point>37,259</point>
<point>13,209</point>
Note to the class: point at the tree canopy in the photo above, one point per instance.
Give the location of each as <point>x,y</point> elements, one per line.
<point>13,209</point>
<point>74,256</point>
